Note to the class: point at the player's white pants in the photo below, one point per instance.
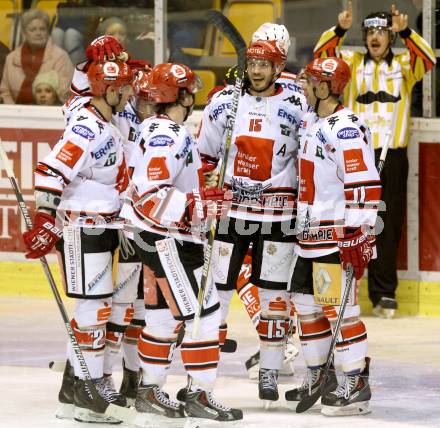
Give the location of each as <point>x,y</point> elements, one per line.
<point>158,342</point>
<point>315,325</point>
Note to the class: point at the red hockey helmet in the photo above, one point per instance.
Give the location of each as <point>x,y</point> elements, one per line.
<point>141,86</point>
<point>268,49</point>
<point>332,69</point>
<point>108,73</point>
<point>165,81</point>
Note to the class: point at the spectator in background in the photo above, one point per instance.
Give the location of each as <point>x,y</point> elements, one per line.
<point>70,29</point>
<point>45,89</point>
<point>37,54</point>
<point>380,93</point>
<point>4,51</point>
<point>114,27</point>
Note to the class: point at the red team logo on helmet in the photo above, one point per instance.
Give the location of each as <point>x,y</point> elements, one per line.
<point>109,73</point>
<point>333,70</point>
<point>165,81</point>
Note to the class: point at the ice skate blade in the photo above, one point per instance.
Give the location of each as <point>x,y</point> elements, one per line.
<point>151,420</point>
<point>130,402</point>
<point>85,415</point>
<point>202,423</point>
<point>355,409</point>
<point>267,404</point>
<point>64,411</point>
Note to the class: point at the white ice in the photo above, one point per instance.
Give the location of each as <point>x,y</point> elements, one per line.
<point>405,373</point>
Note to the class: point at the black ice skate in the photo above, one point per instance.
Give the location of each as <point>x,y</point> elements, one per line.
<point>129,384</point>
<point>311,383</point>
<point>65,396</point>
<point>201,404</point>
<point>268,386</point>
<point>86,410</point>
<point>153,400</point>
<point>386,308</point>
<point>351,397</point>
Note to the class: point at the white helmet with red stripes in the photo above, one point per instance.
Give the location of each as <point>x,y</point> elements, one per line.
<point>276,32</point>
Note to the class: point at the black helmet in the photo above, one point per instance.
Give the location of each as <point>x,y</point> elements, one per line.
<point>383,20</point>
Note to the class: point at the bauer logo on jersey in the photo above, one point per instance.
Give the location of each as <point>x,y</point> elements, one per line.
<point>83,131</point>
<point>348,133</point>
<point>70,154</point>
<point>354,161</point>
<point>161,141</point>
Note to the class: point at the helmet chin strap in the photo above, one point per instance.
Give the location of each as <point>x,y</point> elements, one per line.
<point>188,109</point>
<point>318,100</point>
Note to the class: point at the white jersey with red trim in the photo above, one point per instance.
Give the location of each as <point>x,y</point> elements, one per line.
<point>339,185</point>
<point>164,167</point>
<point>86,167</point>
<point>261,168</point>
<point>126,121</point>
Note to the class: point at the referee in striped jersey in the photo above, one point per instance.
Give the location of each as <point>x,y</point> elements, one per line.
<point>380,93</point>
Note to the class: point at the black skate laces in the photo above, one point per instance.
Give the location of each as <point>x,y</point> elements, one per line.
<point>345,388</point>
<point>106,389</point>
<point>269,379</point>
<point>164,399</point>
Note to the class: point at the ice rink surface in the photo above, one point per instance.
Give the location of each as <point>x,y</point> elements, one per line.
<point>405,373</point>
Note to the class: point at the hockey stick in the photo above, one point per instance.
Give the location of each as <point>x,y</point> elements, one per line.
<point>100,405</point>
<point>228,29</point>
<point>310,400</point>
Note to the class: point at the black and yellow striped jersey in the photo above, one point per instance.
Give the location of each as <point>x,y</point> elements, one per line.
<point>380,92</point>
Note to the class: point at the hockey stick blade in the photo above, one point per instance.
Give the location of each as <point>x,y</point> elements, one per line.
<point>231,33</point>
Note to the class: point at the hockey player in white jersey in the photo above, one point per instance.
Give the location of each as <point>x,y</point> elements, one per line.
<point>339,193</point>
<point>261,173</point>
<point>80,182</point>
<point>168,205</point>
<point>128,122</point>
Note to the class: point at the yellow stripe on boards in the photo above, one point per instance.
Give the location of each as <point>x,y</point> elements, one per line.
<point>27,279</point>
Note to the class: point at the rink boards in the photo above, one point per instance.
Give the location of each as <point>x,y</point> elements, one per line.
<point>29,132</point>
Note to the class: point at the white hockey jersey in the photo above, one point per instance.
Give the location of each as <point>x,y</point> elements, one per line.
<point>261,168</point>
<point>126,121</point>
<point>164,167</point>
<point>339,186</point>
<point>86,167</point>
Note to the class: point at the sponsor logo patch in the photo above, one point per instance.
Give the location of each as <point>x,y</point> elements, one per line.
<point>69,154</point>
<point>161,141</point>
<point>83,131</point>
<point>348,133</point>
<point>354,161</point>
<point>157,169</point>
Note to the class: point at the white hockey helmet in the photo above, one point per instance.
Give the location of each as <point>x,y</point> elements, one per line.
<point>269,31</point>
